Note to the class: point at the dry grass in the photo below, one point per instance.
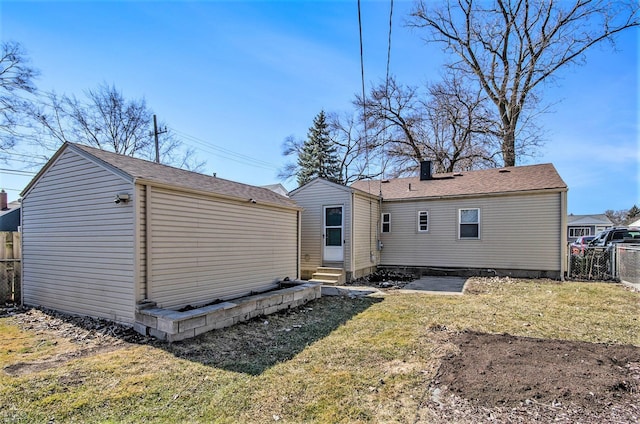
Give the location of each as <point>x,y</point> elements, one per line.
<point>339,360</point>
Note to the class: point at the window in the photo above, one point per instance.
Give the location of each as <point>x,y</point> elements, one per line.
<point>423,221</point>
<point>469,220</point>
<point>386,222</point>
<point>579,231</point>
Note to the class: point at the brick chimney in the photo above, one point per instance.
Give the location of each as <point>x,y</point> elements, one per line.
<point>425,170</point>
<point>3,200</point>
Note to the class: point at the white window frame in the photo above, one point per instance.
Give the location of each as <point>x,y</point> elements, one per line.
<point>383,222</point>
<point>460,223</point>
<point>420,215</point>
<point>582,231</point>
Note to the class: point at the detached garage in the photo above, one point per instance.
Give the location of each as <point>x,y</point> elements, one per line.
<point>105,233</point>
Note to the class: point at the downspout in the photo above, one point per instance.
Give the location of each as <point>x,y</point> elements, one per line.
<point>298,242</point>
<point>563,233</point>
<point>148,243</point>
<point>352,236</point>
<point>137,240</point>
<point>21,228</point>
<point>379,229</point>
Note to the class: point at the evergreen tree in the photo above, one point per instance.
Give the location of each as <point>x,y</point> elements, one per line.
<point>319,155</point>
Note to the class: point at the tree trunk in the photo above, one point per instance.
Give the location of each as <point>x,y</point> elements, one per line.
<point>509,147</point>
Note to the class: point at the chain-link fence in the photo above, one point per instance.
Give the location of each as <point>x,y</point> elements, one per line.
<point>619,262</point>
<point>593,263</point>
<point>10,281</point>
<point>629,263</point>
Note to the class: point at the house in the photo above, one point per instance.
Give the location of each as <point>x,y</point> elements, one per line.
<point>278,188</point>
<point>635,223</point>
<point>104,234</point>
<point>586,225</point>
<point>339,231</point>
<point>507,221</point>
<point>9,213</point>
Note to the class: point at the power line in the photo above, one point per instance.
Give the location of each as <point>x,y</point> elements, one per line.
<point>364,124</point>
<point>17,154</point>
<point>30,162</point>
<point>389,43</point>
<point>386,90</point>
<point>17,172</point>
<point>214,149</point>
<point>364,100</point>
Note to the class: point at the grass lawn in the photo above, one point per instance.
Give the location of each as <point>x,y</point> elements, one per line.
<point>335,360</point>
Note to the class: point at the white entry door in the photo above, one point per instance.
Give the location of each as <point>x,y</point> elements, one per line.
<point>333,234</point>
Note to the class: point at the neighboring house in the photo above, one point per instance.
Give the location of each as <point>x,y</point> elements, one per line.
<point>508,221</point>
<point>586,225</point>
<point>635,223</point>
<point>278,188</point>
<point>103,233</point>
<point>9,213</point>
<point>339,229</point>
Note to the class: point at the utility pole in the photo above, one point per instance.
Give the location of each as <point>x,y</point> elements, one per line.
<point>155,134</point>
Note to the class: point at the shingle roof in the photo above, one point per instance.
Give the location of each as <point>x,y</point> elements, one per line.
<point>11,206</point>
<point>597,219</point>
<point>483,182</point>
<point>180,178</point>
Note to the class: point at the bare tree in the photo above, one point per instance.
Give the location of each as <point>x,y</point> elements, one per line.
<point>395,118</point>
<point>461,127</point>
<point>105,119</point>
<point>511,47</point>
<point>448,124</point>
<point>623,216</point>
<point>359,155</point>
<point>16,80</point>
<point>291,147</point>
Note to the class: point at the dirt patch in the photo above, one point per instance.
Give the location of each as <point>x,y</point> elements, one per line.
<point>384,279</point>
<point>505,377</point>
<point>80,330</point>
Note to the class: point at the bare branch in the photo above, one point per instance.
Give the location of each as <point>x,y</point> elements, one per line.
<point>511,47</point>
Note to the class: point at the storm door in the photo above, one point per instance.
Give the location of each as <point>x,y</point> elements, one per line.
<point>333,234</point>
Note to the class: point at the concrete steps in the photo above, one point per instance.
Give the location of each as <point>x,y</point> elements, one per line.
<point>328,276</point>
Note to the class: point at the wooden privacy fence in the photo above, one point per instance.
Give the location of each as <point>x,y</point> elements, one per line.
<point>10,267</point>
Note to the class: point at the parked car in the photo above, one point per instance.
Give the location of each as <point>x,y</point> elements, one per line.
<point>577,247</point>
<point>616,235</point>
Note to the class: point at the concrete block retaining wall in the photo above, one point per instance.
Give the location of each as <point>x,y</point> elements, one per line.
<point>170,325</point>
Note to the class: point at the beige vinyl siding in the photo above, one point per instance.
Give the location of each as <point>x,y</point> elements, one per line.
<point>313,198</point>
<point>207,248</point>
<point>516,232</point>
<point>78,245</point>
<point>366,213</point>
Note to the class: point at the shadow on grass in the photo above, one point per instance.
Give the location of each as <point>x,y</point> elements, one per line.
<point>249,347</point>
<point>254,346</point>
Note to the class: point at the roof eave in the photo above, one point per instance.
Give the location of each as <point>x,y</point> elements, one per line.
<point>345,188</point>
<point>143,181</point>
<point>472,195</point>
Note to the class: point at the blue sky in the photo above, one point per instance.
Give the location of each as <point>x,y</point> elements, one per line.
<point>234,79</point>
